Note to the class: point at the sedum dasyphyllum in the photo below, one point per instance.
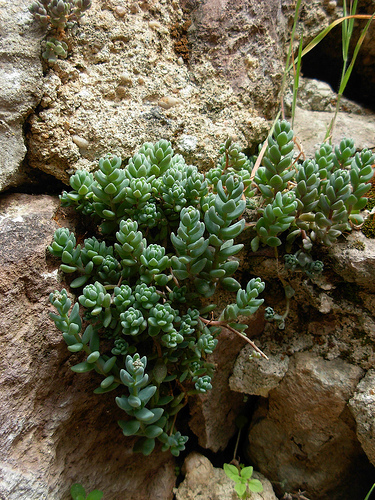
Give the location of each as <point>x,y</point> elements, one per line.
<point>163,247</point>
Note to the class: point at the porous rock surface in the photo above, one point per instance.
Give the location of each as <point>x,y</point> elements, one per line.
<point>21,82</point>
<point>54,430</point>
<point>305,421</point>
<point>316,408</point>
<point>128,80</point>
<point>362,406</point>
<point>203,481</point>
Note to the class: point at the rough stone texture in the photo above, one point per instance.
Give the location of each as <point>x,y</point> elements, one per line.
<point>306,420</point>
<point>125,82</point>
<point>258,376</point>
<point>54,431</point>
<point>354,260</point>
<point>310,128</point>
<point>362,406</point>
<point>21,81</point>
<point>243,41</point>
<point>205,482</point>
<point>213,415</point>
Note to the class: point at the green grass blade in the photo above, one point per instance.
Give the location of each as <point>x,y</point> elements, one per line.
<point>296,79</point>
<point>355,54</point>
<point>319,37</point>
<point>290,50</point>
<point>346,74</point>
<point>369,493</point>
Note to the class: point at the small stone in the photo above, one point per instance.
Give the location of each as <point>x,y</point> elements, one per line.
<point>332,5</point>
<point>154,24</point>
<point>168,102</point>
<point>134,8</point>
<point>187,143</point>
<point>141,81</point>
<point>120,11</point>
<point>122,92</point>
<point>125,79</point>
<point>80,141</point>
<point>180,61</point>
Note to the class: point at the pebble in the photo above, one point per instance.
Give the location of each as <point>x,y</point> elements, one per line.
<point>168,102</point>
<point>180,61</point>
<point>120,11</point>
<point>154,24</point>
<point>80,141</point>
<point>125,79</point>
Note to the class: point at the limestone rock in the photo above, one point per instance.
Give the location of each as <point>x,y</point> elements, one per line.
<point>205,482</point>
<point>115,89</point>
<point>310,128</point>
<point>54,430</point>
<point>257,376</point>
<point>21,81</point>
<point>354,260</point>
<point>306,420</point>
<point>362,405</point>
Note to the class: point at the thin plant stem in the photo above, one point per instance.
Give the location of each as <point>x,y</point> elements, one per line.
<point>225,325</point>
<point>289,55</point>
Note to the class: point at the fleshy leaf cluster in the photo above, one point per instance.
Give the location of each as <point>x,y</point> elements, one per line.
<point>313,201</point>
<point>60,14</point>
<point>164,244</point>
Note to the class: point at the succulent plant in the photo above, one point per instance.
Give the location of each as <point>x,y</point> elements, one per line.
<point>60,14</point>
<point>55,49</point>
<point>164,244</point>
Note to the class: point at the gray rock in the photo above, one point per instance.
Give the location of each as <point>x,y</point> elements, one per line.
<point>310,128</point>
<point>257,376</point>
<point>21,82</point>
<point>354,260</point>
<point>362,406</point>
<point>303,436</point>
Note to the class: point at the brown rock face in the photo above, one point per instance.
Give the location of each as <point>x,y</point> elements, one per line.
<point>306,437</point>
<point>243,40</point>
<point>54,431</point>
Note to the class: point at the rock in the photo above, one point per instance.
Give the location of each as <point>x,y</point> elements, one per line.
<point>205,482</point>
<point>310,128</point>
<point>21,82</point>
<point>362,406</point>
<point>213,414</point>
<point>257,376</point>
<point>354,260</point>
<point>315,95</point>
<point>250,59</point>
<point>123,83</point>
<point>54,431</point>
<point>303,436</point>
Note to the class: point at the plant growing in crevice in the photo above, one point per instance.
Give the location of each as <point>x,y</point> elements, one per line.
<point>304,203</point>
<point>145,318</point>
<point>58,15</point>
<point>244,483</point>
<point>78,492</point>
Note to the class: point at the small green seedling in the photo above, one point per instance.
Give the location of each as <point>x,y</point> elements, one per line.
<point>78,493</point>
<point>242,477</point>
